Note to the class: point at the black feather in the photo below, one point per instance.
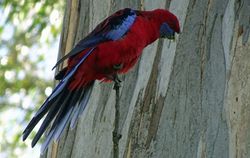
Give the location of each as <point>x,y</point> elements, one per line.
<point>41,112</point>
<point>60,75</point>
<point>50,116</point>
<point>64,115</point>
<point>63,110</point>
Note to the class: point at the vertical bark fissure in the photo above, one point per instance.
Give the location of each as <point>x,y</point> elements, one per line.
<point>71,151</point>
<point>132,136</point>
<point>151,92</point>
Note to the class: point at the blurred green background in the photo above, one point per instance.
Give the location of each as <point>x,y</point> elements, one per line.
<point>29,39</point>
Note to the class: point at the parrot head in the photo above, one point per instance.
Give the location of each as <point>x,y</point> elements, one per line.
<point>169,24</point>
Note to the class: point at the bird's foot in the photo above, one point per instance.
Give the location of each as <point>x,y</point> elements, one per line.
<point>117,81</point>
<point>118,66</point>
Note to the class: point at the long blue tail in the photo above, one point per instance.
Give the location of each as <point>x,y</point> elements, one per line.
<point>62,106</point>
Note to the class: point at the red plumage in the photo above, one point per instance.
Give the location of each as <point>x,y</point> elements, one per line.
<point>113,47</point>
<point>126,51</point>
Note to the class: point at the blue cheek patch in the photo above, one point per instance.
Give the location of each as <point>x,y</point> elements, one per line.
<point>165,30</point>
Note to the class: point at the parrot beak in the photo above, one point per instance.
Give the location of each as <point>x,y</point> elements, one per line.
<point>171,37</point>
<point>174,38</point>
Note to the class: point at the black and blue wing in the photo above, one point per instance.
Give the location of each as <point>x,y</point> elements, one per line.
<point>112,28</point>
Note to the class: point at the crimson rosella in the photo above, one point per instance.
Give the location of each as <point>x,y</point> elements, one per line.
<point>113,47</point>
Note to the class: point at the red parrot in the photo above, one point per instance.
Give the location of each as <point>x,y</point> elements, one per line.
<point>112,48</point>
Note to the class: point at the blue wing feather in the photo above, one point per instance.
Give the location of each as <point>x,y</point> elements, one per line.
<point>118,32</point>
<point>113,28</point>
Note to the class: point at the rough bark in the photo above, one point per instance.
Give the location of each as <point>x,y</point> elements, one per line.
<point>184,99</point>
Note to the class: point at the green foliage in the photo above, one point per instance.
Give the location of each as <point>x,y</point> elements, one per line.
<point>28,28</point>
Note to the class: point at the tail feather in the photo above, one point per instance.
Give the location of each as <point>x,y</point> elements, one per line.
<point>74,118</point>
<point>76,110</point>
<point>47,141</point>
<point>54,111</point>
<point>69,113</point>
<point>73,99</point>
<point>40,113</point>
<point>63,103</point>
<point>85,99</point>
<point>62,124</point>
<point>57,130</point>
<point>51,101</point>
<point>81,105</point>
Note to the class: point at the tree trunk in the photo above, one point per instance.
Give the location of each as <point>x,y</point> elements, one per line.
<point>184,99</point>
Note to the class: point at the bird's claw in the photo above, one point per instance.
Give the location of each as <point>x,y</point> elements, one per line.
<point>118,66</point>
<point>117,81</point>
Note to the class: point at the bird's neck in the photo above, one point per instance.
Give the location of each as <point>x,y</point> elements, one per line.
<point>152,31</point>
<point>144,32</point>
<point>151,26</point>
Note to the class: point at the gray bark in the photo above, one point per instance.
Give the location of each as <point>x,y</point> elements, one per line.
<point>184,99</point>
